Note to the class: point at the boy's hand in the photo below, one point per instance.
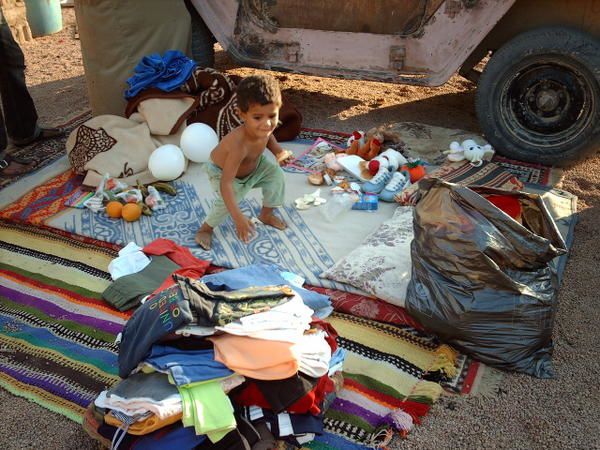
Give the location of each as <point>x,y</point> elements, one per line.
<point>244,228</point>
<point>285,157</point>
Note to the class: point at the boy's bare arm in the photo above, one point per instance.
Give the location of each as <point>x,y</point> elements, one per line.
<point>230,170</point>
<point>282,156</point>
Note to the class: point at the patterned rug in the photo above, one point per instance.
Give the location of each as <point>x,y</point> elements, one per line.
<point>530,173</point>
<point>56,339</point>
<point>47,151</point>
<point>44,201</point>
<point>56,344</point>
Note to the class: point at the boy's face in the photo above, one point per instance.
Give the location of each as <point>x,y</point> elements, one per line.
<point>261,120</point>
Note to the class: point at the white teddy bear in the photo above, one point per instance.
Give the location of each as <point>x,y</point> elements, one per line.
<point>469,150</point>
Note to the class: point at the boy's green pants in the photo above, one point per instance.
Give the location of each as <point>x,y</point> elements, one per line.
<point>268,176</point>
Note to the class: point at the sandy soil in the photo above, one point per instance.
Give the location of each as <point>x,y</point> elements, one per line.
<point>526,412</point>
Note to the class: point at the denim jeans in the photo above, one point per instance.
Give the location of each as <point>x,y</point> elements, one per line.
<point>19,120</point>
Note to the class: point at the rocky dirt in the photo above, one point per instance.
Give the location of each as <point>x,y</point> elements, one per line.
<point>525,412</point>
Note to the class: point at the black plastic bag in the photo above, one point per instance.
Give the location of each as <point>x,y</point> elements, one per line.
<point>480,280</point>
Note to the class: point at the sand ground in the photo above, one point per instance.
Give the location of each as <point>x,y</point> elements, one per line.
<point>526,412</point>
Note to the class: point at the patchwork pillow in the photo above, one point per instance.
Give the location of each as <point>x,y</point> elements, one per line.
<point>381,265</point>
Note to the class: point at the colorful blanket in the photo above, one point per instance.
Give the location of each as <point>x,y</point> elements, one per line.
<point>57,334</point>
<point>56,345</point>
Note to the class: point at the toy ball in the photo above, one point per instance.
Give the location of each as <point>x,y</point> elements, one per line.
<point>197,141</point>
<point>166,162</point>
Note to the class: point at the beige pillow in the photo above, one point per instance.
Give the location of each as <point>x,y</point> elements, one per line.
<point>381,265</point>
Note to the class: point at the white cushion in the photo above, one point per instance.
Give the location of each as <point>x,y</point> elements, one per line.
<point>381,265</point>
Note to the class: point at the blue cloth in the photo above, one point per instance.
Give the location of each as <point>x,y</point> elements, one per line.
<point>266,275</point>
<point>160,315</point>
<point>179,437</point>
<point>166,72</point>
<point>338,357</point>
<point>336,363</point>
<point>187,366</point>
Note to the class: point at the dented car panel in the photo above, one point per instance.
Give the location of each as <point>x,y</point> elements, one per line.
<point>425,45</point>
<point>355,16</point>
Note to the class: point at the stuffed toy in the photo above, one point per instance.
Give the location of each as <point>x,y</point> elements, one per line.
<point>415,169</point>
<point>356,135</point>
<point>368,151</point>
<point>387,135</point>
<point>469,150</point>
<point>390,159</point>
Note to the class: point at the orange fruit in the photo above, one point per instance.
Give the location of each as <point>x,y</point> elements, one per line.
<point>114,209</point>
<point>131,212</point>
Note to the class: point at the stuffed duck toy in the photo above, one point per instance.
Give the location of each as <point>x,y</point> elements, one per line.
<point>469,150</point>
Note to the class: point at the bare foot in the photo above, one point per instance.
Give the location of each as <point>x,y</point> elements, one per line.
<point>272,220</point>
<point>203,239</point>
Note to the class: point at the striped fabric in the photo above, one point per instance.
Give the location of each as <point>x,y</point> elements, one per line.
<point>57,343</point>
<point>387,382</point>
<point>56,333</point>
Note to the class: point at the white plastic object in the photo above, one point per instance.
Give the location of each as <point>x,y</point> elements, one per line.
<point>197,142</point>
<point>351,164</point>
<point>167,162</point>
<point>338,205</point>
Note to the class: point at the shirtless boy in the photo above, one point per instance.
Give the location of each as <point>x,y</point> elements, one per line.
<point>238,164</point>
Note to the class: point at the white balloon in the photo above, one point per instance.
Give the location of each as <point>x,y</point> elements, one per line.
<point>166,162</point>
<point>197,141</point>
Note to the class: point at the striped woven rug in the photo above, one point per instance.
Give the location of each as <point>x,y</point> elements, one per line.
<point>56,333</point>
<point>57,350</point>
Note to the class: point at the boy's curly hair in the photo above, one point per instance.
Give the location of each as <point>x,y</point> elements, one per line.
<point>258,89</point>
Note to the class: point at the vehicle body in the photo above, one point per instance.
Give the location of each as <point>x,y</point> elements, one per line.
<point>539,102</point>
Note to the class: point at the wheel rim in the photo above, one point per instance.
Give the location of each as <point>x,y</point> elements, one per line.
<point>547,104</point>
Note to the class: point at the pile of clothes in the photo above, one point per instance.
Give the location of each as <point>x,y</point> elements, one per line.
<point>232,360</point>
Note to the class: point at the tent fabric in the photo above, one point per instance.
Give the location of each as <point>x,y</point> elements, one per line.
<point>115,35</point>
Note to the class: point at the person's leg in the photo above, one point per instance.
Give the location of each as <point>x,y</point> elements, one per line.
<point>271,180</point>
<point>3,138</point>
<point>19,110</point>
<point>11,166</point>
<point>218,211</point>
<point>20,117</point>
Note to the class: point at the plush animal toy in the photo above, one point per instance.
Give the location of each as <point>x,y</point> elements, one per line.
<point>357,135</point>
<point>469,150</point>
<point>368,151</point>
<point>390,159</point>
<point>388,135</point>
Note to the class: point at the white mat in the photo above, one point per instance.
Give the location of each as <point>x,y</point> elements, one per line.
<point>308,247</point>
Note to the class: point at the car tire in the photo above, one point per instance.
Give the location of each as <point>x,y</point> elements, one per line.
<point>203,41</point>
<point>538,98</point>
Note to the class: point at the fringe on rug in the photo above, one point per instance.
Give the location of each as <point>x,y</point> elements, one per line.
<point>487,383</point>
<point>381,439</point>
<point>446,361</point>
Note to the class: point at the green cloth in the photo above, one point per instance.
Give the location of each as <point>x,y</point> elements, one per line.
<point>127,291</point>
<point>207,409</point>
<point>268,176</point>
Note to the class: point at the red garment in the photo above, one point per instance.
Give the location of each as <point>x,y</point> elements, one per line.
<point>367,307</point>
<point>191,266</point>
<point>510,204</point>
<point>192,272</point>
<point>176,253</point>
<point>250,395</point>
<point>330,333</point>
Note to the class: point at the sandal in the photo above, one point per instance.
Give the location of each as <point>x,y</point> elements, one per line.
<point>44,133</point>
<point>9,166</point>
